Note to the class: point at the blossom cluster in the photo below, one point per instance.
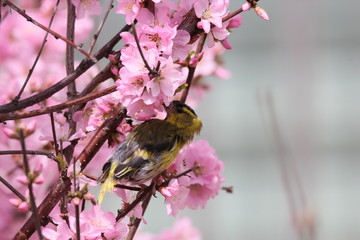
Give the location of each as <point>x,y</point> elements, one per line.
<point>149,71</point>
<point>159,50</point>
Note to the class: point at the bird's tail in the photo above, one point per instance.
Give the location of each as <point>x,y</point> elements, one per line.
<point>107,179</point>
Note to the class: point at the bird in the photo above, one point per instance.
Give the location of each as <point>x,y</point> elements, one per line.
<point>150,148</point>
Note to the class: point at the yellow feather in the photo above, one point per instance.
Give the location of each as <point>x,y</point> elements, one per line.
<point>109,182</point>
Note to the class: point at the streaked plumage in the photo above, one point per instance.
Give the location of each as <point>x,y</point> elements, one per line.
<point>150,148</point>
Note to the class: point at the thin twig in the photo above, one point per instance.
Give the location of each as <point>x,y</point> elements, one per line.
<point>127,187</point>
<point>56,145</point>
<point>30,152</point>
<point>55,108</point>
<point>83,67</point>
<point>102,76</point>
<point>288,171</point>
<point>71,93</point>
<point>151,71</point>
<point>132,205</point>
<point>192,69</point>
<point>38,55</point>
<point>30,181</point>
<point>77,210</point>
<point>55,34</point>
<point>63,184</point>
<point>233,14</point>
<point>96,35</point>
<point>134,227</point>
<point>14,190</point>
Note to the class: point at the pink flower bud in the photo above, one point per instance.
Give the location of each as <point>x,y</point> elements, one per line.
<point>182,63</point>
<point>22,179</point>
<point>76,201</point>
<point>226,44</point>
<point>112,58</point>
<point>193,62</point>
<point>89,196</point>
<point>200,25</point>
<point>15,202</point>
<point>261,13</point>
<point>199,55</point>
<point>235,22</point>
<point>114,70</point>
<point>39,180</point>
<point>246,6</point>
<point>10,133</point>
<point>31,126</point>
<point>23,207</point>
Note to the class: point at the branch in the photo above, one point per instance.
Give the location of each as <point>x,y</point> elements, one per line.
<point>134,227</point>
<point>138,199</point>
<point>233,14</point>
<point>96,35</point>
<point>63,185</point>
<point>192,69</point>
<point>31,152</point>
<point>38,55</point>
<point>30,178</point>
<point>21,115</point>
<point>55,34</point>
<point>83,66</point>
<point>14,190</point>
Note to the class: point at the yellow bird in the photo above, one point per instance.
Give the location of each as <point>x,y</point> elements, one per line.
<point>150,148</point>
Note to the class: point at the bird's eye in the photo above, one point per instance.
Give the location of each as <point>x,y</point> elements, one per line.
<point>180,110</point>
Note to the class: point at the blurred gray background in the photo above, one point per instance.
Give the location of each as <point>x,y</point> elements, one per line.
<point>298,162</point>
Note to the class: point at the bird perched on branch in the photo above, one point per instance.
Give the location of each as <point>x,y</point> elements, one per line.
<point>150,148</point>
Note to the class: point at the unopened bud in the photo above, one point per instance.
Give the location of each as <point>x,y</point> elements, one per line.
<point>193,62</point>
<point>23,207</point>
<point>226,44</point>
<point>89,196</point>
<point>22,179</point>
<point>261,13</point>
<point>246,6</point>
<point>76,201</point>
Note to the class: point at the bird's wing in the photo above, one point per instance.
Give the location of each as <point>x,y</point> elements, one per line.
<point>144,144</point>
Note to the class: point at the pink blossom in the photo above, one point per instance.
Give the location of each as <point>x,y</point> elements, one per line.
<point>130,8</point>
<point>20,205</point>
<point>177,199</point>
<point>181,48</point>
<point>203,183</point>
<point>210,12</point>
<point>183,229</point>
<point>93,223</point>
<point>87,7</point>
<point>128,197</point>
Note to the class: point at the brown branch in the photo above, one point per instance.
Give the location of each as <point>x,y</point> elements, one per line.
<point>96,35</point>
<point>30,152</point>
<point>108,127</point>
<point>71,88</point>
<point>38,55</point>
<point>44,209</point>
<point>83,66</point>
<point>99,78</point>
<point>55,34</point>
<point>139,198</point>
<point>55,108</point>
<point>233,14</point>
<point>192,69</point>
<point>14,190</point>
<point>30,178</point>
<point>63,184</point>
<point>134,227</point>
